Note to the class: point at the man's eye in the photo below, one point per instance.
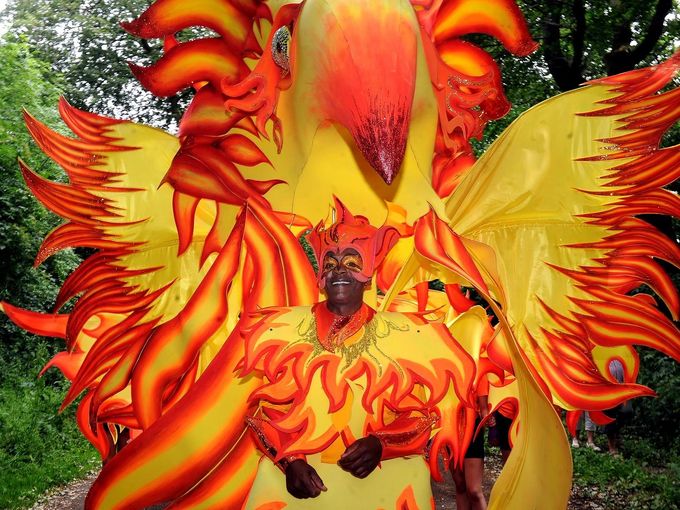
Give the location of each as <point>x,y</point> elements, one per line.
<point>352,263</point>
<point>330,264</point>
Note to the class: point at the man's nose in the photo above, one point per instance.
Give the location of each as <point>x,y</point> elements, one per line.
<point>340,269</point>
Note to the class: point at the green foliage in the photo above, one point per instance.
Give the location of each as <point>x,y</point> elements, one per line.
<point>657,418</point>
<point>39,448</point>
<point>628,482</point>
<point>23,221</point>
<point>532,79</point>
<point>82,41</point>
<point>590,38</point>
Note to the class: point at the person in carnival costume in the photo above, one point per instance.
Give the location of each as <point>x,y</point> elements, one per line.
<point>373,102</point>
<point>349,393</point>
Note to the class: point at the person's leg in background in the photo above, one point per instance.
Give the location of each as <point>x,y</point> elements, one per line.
<point>468,480</point>
<point>590,433</point>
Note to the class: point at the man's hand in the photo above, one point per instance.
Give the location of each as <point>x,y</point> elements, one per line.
<point>362,456</point>
<point>302,480</point>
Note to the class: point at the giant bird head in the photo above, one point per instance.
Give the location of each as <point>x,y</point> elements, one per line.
<point>356,67</point>
<point>372,100</point>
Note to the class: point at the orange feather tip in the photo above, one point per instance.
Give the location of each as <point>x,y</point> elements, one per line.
<point>201,60</point>
<point>501,19</point>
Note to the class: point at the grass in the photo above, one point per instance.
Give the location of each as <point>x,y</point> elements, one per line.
<point>39,448</point>
<point>645,478</point>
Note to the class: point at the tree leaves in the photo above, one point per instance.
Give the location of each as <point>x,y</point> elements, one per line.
<point>23,221</point>
<point>87,53</point>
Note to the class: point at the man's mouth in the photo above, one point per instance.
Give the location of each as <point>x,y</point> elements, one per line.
<point>341,282</point>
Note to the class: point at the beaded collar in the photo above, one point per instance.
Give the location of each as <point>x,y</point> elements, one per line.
<point>332,330</point>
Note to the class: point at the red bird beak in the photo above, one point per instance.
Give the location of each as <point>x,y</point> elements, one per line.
<point>367,71</point>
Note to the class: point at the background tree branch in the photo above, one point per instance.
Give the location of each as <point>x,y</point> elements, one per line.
<point>625,56</point>
<point>566,71</point>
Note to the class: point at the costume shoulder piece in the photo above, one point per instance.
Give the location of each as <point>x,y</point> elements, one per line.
<point>385,344</point>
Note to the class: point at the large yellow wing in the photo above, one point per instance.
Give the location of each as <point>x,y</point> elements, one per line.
<point>154,310</point>
<point>556,198</point>
<point>545,227</point>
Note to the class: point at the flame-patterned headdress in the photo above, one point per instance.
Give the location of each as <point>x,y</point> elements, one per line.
<point>349,231</point>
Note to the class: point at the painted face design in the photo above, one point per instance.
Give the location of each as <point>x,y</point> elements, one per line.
<point>352,263</point>
<point>340,272</point>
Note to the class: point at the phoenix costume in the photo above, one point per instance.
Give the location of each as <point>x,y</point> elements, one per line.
<point>373,101</point>
<point>331,380</point>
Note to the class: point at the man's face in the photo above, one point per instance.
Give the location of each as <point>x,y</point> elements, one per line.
<point>340,269</point>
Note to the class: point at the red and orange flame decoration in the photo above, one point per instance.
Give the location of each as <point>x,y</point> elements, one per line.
<point>375,102</point>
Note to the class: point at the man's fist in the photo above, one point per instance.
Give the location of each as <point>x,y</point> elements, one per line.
<point>302,480</point>
<point>362,456</point>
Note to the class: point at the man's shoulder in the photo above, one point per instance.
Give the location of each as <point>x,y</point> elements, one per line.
<point>276,318</point>
<point>401,318</point>
<point>278,311</point>
<point>404,325</point>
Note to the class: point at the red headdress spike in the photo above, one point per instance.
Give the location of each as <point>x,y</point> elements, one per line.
<point>350,231</point>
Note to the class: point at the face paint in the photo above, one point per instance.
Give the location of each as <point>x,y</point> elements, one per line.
<point>343,289</point>
<point>352,263</point>
<point>329,263</point>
